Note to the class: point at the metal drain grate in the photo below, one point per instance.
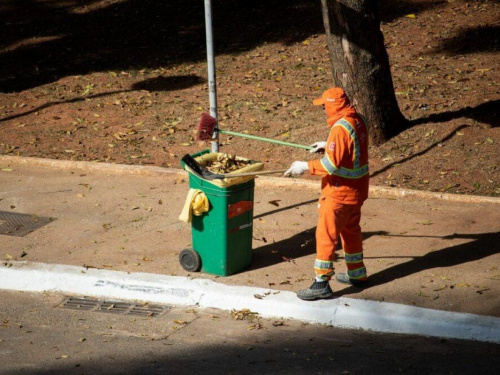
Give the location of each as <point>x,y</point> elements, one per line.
<point>114,307</point>
<point>19,225</point>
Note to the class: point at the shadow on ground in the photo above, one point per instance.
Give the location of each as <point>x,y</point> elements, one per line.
<point>156,84</point>
<point>45,41</point>
<point>487,113</point>
<point>316,350</point>
<point>297,246</point>
<point>481,246</point>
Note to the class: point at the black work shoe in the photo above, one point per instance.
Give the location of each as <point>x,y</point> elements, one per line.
<point>344,279</point>
<point>319,289</point>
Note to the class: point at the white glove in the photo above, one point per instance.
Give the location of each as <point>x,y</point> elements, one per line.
<point>297,169</point>
<point>317,147</point>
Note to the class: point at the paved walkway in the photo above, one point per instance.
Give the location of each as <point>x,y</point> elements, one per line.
<point>114,231</point>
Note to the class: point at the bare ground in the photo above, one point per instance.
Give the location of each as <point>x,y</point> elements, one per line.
<point>125,82</point>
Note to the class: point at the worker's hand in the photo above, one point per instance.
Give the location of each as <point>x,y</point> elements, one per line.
<point>297,169</point>
<point>318,147</point>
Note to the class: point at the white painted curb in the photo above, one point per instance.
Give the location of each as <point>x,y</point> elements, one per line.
<point>340,312</point>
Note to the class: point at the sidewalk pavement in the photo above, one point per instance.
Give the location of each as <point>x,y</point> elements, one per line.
<point>113,231</point>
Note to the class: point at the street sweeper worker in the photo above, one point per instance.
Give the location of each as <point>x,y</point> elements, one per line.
<point>344,188</point>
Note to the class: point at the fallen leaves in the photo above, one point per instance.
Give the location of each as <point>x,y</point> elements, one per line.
<point>275,202</point>
<point>426,222</point>
<point>226,163</point>
<point>243,314</point>
<point>107,226</point>
<point>256,325</point>
<point>481,291</point>
<point>442,287</point>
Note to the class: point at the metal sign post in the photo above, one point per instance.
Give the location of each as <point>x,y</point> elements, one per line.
<point>212,86</point>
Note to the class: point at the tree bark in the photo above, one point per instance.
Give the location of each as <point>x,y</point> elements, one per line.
<point>360,64</point>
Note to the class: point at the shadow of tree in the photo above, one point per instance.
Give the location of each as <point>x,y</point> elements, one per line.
<point>479,39</point>
<point>423,152</point>
<point>299,245</point>
<point>227,349</point>
<point>482,246</point>
<point>303,244</point>
<point>284,208</point>
<point>392,10</point>
<point>168,83</point>
<point>487,113</point>
<point>44,41</point>
<point>153,85</point>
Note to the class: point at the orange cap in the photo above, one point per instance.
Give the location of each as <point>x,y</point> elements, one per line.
<point>333,95</point>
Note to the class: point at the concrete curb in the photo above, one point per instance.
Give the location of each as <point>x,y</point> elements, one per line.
<point>88,166</point>
<point>141,170</point>
<point>341,312</point>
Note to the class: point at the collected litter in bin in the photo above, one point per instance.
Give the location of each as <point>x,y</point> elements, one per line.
<point>198,166</point>
<point>225,163</point>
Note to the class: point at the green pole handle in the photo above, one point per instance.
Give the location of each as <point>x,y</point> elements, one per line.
<point>264,139</point>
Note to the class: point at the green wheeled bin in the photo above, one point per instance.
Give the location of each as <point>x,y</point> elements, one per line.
<point>221,237</point>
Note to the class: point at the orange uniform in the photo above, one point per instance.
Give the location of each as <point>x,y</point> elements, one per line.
<point>344,187</point>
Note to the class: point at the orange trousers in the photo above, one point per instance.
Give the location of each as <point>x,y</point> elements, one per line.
<point>339,220</point>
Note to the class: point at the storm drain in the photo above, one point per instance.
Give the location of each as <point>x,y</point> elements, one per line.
<point>19,225</point>
<point>114,307</point>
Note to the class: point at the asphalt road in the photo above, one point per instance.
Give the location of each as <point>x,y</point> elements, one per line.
<point>39,337</point>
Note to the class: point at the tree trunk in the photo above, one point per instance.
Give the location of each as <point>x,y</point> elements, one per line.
<point>360,64</point>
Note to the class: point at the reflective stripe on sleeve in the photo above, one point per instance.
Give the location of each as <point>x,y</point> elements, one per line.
<point>328,165</point>
<point>357,171</point>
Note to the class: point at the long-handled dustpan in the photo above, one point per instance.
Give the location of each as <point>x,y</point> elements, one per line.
<point>204,173</point>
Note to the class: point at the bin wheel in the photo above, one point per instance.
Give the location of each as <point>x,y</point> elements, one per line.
<point>190,260</point>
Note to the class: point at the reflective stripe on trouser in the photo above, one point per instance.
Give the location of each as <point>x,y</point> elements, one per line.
<point>324,269</point>
<point>336,220</point>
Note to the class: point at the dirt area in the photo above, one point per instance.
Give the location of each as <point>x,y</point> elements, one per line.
<point>125,81</point>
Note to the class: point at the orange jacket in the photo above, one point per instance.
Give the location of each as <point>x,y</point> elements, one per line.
<point>344,166</point>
